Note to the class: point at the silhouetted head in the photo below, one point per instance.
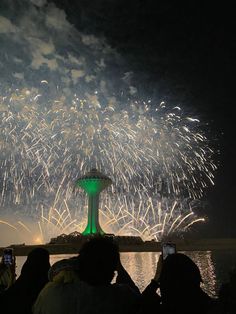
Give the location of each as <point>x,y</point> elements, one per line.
<point>179,271</point>
<point>36,265</point>
<point>65,270</point>
<point>98,259</point>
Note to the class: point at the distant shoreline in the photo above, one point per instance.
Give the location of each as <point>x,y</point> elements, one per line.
<point>149,246</point>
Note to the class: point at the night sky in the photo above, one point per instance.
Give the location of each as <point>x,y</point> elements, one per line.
<point>183,53</point>
<point>180,52</point>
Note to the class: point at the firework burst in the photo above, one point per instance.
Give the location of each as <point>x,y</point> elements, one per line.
<point>151,152</point>
<point>67,105</point>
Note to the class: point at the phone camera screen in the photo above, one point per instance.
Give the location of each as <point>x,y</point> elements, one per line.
<point>168,249</point>
<point>7,256</point>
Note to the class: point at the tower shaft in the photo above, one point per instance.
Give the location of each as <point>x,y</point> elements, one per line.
<point>93,226</point>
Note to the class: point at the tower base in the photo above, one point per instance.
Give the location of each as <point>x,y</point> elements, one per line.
<point>93,229</point>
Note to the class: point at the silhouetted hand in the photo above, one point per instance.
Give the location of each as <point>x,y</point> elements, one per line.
<point>124,278</point>
<point>120,267</point>
<point>158,269</point>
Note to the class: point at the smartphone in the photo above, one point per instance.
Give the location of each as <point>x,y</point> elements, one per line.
<point>8,258</point>
<point>167,249</point>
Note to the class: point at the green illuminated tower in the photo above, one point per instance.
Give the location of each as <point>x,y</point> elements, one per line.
<point>93,183</point>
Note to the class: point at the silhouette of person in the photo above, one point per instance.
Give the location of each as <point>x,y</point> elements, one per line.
<point>20,297</point>
<point>179,279</point>
<point>7,273</point>
<point>65,270</point>
<point>93,292</point>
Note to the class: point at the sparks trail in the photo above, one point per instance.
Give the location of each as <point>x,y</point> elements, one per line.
<point>151,221</point>
<point>66,108</point>
<point>150,152</point>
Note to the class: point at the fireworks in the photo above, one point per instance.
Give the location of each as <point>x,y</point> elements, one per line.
<point>156,157</point>
<point>67,105</point>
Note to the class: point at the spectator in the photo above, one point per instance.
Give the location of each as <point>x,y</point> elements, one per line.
<point>179,279</point>
<point>20,297</point>
<point>7,274</point>
<point>65,270</point>
<point>61,274</point>
<point>92,292</point>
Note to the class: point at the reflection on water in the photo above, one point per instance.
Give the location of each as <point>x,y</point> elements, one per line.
<point>141,267</point>
<point>207,269</point>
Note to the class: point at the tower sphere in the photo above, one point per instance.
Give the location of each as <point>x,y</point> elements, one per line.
<point>93,182</point>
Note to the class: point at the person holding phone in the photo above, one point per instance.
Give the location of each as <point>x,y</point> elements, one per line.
<point>167,249</point>
<point>20,297</point>
<point>178,279</point>
<point>7,270</point>
<point>94,291</point>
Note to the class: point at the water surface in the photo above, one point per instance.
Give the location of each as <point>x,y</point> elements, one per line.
<point>214,266</point>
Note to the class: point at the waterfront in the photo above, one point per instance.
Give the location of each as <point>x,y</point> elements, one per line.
<point>73,247</point>
<point>214,266</point>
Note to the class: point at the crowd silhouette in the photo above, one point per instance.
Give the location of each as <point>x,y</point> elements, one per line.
<point>85,284</point>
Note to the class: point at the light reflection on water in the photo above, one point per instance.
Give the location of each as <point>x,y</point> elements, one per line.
<point>141,266</point>
<point>207,269</point>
